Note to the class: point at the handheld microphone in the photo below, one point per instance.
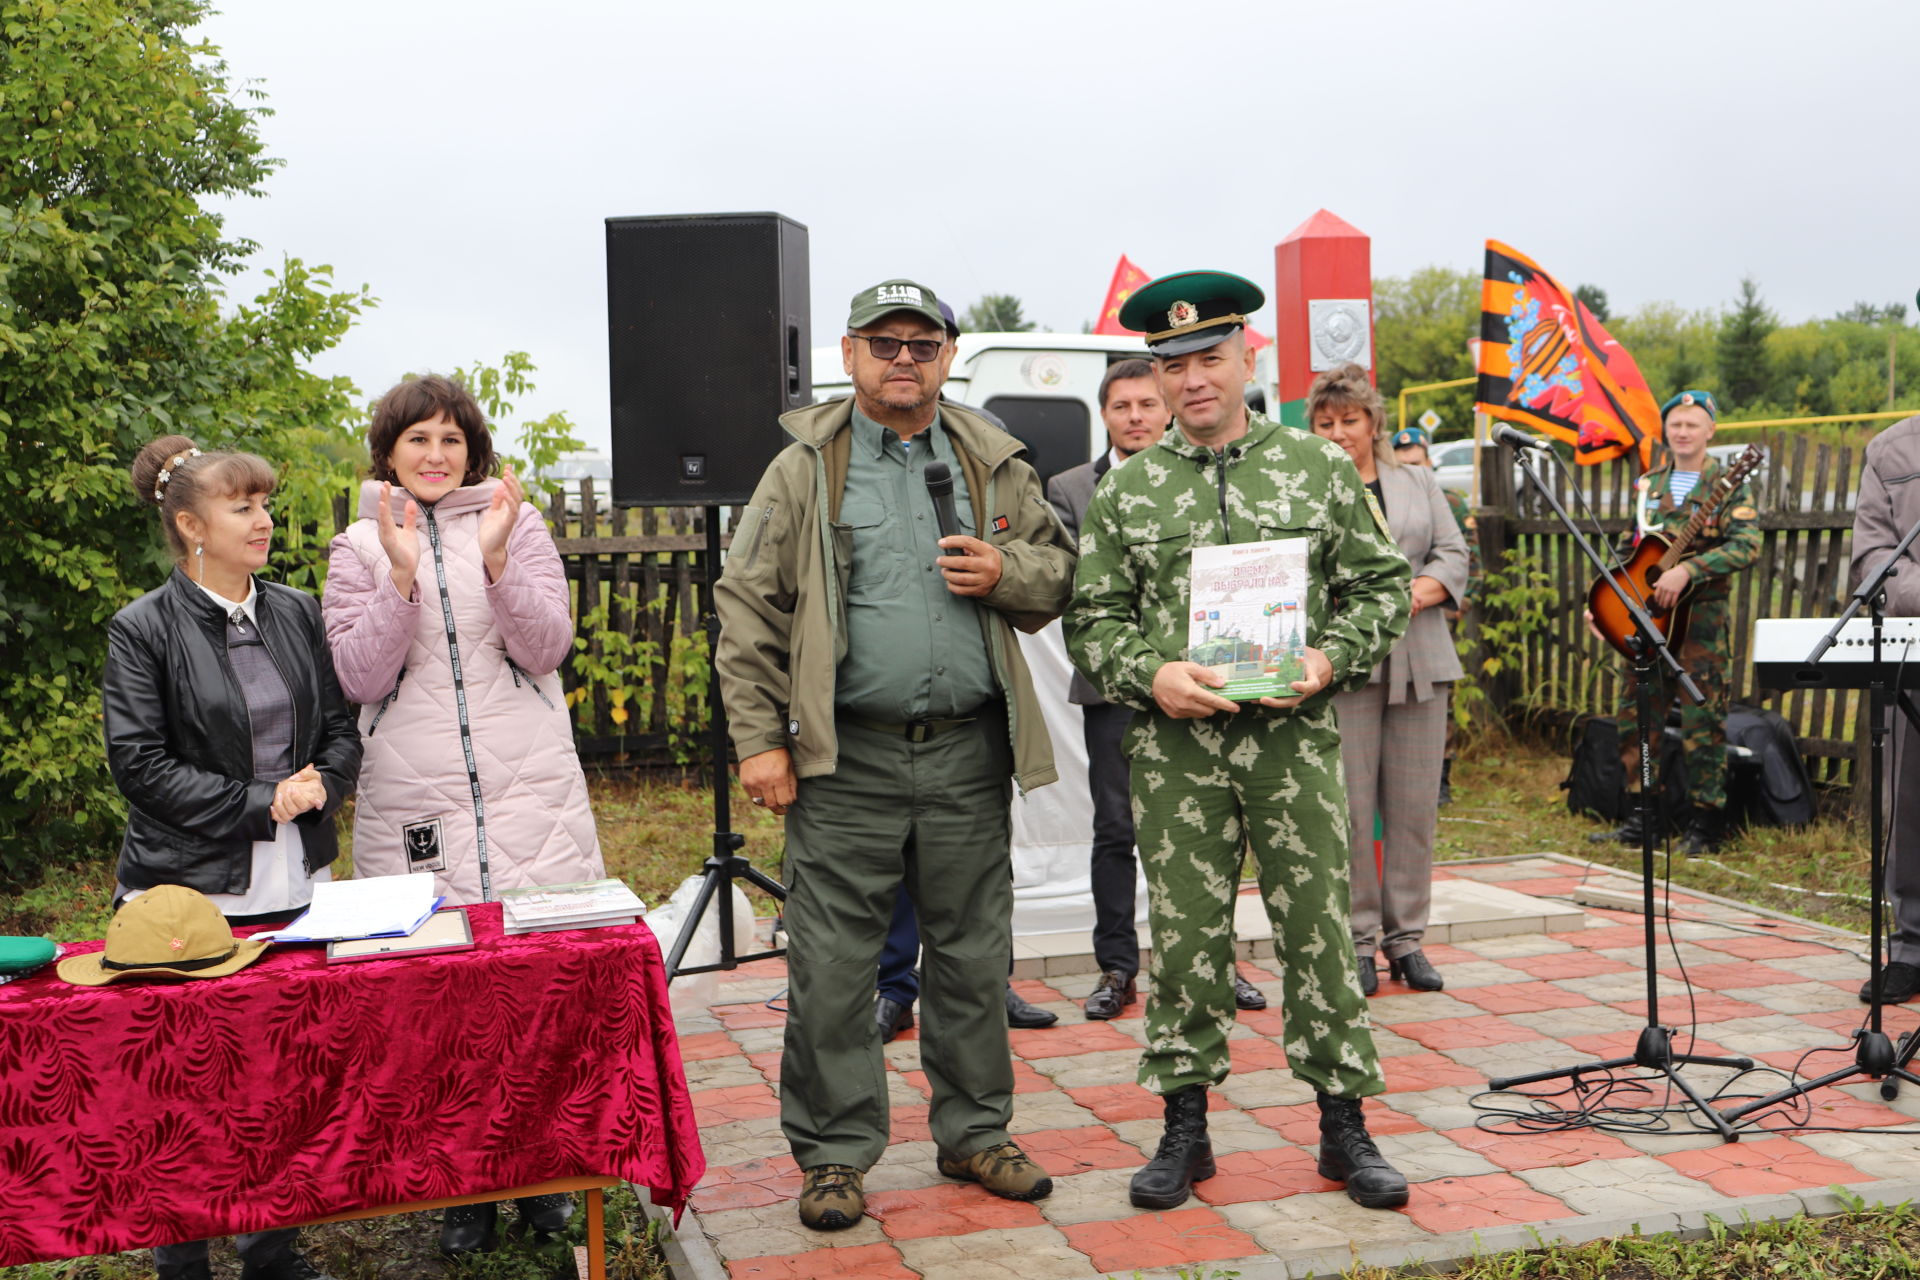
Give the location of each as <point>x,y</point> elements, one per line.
<point>1519,439</point>
<point>940,489</point>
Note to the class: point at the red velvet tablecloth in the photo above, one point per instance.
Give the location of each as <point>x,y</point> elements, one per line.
<point>147,1112</point>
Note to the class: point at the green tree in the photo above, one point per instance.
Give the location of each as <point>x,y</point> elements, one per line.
<point>995,313</point>
<point>1893,313</point>
<point>116,131</point>
<point>1421,326</point>
<point>1595,299</point>
<point>1744,380</point>
<point>1675,349</point>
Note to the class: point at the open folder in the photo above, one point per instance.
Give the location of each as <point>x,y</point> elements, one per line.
<point>376,907</point>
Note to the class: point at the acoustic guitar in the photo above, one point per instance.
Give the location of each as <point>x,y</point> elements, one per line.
<point>1654,556</point>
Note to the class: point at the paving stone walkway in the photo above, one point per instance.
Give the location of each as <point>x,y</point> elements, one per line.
<point>1762,986</point>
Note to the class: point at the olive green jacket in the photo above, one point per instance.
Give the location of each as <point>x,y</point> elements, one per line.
<point>1129,612</point>
<point>782,598</point>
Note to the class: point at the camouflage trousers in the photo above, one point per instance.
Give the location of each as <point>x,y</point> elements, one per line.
<point>1203,790</point>
<point>1703,728</point>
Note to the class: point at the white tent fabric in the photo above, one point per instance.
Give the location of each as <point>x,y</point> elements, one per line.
<point>1053,825</point>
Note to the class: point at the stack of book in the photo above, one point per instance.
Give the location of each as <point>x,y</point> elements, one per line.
<point>587,905</point>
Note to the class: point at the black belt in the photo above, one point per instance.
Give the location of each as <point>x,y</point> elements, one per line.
<point>912,730</point>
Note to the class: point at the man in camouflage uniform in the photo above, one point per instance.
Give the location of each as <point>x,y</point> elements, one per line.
<point>1209,775</point>
<point>1667,498</point>
<point>1410,447</point>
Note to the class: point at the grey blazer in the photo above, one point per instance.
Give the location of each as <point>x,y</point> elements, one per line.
<point>1420,522</point>
<point>1070,492</point>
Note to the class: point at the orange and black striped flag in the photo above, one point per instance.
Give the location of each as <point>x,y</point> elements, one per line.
<point>1546,364</point>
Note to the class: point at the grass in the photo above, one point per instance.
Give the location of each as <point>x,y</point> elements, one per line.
<point>406,1247</point>
<point>1862,1243</point>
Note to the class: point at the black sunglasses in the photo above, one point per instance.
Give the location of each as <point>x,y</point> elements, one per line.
<point>923,350</point>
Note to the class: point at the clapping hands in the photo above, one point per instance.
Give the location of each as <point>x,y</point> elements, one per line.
<point>400,542</point>
<point>294,796</point>
<point>496,523</point>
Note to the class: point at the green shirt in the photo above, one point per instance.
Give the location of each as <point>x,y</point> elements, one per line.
<point>1129,609</point>
<point>914,649</point>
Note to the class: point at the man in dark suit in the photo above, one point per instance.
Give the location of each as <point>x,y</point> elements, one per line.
<point>1136,416</point>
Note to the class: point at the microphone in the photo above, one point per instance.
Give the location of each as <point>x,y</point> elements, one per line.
<point>1519,439</point>
<point>940,489</point>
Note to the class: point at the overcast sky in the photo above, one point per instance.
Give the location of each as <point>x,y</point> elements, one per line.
<point>460,159</point>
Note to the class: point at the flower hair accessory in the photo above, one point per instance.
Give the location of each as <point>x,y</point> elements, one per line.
<point>166,472</point>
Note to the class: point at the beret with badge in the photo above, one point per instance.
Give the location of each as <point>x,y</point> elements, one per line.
<point>1191,310</point>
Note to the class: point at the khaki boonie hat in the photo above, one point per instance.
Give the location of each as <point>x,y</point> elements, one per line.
<point>169,931</point>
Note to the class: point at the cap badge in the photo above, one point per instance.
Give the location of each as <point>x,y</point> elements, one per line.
<point>1181,314</point>
<point>899,293</point>
<point>177,944</point>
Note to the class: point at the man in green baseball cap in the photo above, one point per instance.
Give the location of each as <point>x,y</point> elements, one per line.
<point>877,697</point>
<point>1212,776</point>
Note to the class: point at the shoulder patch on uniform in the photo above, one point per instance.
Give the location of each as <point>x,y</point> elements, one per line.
<point>1743,513</point>
<point>1379,516</point>
<point>1000,524</point>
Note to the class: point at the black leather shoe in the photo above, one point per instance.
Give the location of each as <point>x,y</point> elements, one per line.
<point>201,1270</point>
<point>1628,832</point>
<point>1369,973</point>
<point>1246,995</point>
<point>1899,983</point>
<point>1185,1155</point>
<point>1416,971</point>
<point>546,1214</point>
<point>290,1265</point>
<point>1024,1016</point>
<point>1704,832</point>
<point>892,1017</point>
<point>468,1228</point>
<point>1446,782</point>
<point>1347,1154</point>
<point>1111,996</point>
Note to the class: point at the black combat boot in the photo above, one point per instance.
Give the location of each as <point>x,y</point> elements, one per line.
<point>1705,832</point>
<point>1628,832</point>
<point>1185,1155</point>
<point>1347,1154</point>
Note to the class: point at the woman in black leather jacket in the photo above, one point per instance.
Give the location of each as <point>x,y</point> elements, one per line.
<point>225,727</point>
<point>227,733</point>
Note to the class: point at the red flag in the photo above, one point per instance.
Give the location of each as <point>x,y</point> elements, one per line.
<point>1546,363</point>
<point>1127,278</point>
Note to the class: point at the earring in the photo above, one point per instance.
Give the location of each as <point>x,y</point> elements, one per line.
<point>200,563</point>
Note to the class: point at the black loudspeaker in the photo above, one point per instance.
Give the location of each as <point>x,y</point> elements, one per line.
<point>708,344</point>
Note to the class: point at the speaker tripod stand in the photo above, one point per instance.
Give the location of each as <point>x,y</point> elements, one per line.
<point>1654,1049</point>
<point>725,864</point>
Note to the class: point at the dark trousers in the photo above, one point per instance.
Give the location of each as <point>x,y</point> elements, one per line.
<point>1113,873</point>
<point>898,981</point>
<point>254,1246</point>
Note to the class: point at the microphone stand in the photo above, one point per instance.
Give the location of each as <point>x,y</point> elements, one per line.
<point>1873,1056</point>
<point>1654,1050</point>
<point>725,864</point>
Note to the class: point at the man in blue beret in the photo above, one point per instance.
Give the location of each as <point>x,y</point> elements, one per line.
<point>1212,777</point>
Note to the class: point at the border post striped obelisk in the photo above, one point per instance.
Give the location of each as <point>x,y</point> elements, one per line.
<point>1323,305</point>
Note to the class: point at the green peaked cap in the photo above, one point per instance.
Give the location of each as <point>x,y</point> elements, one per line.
<point>1191,310</point>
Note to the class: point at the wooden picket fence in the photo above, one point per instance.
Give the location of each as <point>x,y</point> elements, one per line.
<point>1805,495</point>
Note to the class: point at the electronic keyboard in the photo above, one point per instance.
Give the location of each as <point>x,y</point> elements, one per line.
<point>1781,646</point>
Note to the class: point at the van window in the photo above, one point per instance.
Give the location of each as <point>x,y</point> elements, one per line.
<point>1054,429</point>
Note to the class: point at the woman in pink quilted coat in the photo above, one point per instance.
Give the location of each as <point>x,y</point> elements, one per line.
<point>448,615</point>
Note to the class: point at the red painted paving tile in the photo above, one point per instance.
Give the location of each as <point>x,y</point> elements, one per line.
<point>1621,1044</point>
<point>739,1102</point>
<point>1265,1022</point>
<point>909,1124</point>
<point>1764,1167</point>
<point>1732,976</point>
<point>742,1017</point>
<point>708,1044</point>
<point>1255,1053</point>
<point>1025,1080</point>
<point>1480,1201</point>
<point>1063,1152</point>
<point>1116,1103</point>
<point>747,1185</point>
<point>950,1209</point>
<point>1748,947</point>
<point>1566,964</point>
<point>1062,1041</point>
<point>767,1064</point>
<point>1893,1021</point>
<point>1300,1122</point>
<point>1541,1150</point>
<point>1466,1033</point>
<point>755,969</point>
<point>866,1261</point>
<point>1546,886</point>
<point>1520,997</point>
<point>1272,1174</point>
<point>1034,991</point>
<point>1605,938</point>
<point>1441,953</point>
<point>1829,1108</point>
<point>1418,1072</point>
<point>1150,1240</point>
<point>1705,1006</point>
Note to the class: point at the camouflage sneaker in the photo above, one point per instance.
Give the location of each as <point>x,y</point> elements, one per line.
<point>831,1198</point>
<point>1003,1170</point>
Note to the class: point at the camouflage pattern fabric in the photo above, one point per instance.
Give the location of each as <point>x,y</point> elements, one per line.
<point>1727,545</point>
<point>1204,790</point>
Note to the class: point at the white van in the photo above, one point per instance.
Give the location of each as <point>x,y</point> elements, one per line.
<point>1044,386</point>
